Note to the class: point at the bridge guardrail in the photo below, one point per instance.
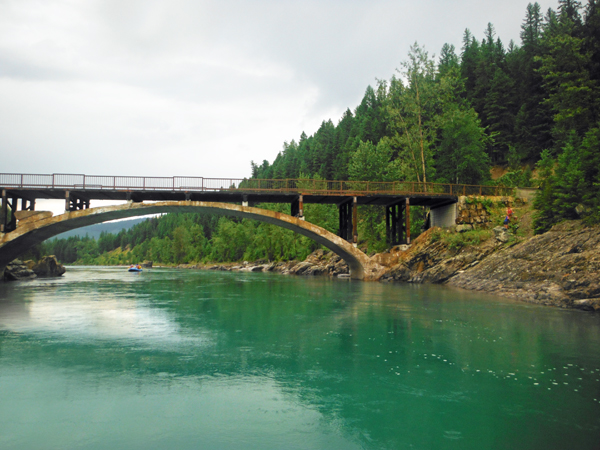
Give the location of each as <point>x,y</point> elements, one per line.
<point>202,184</point>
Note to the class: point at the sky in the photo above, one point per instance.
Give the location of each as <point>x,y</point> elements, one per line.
<point>202,88</point>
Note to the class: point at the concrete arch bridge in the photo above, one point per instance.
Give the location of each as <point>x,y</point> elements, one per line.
<point>22,228</point>
<point>36,228</point>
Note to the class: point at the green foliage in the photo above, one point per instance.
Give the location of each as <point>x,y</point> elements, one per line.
<point>456,241</point>
<point>570,184</point>
<point>441,122</point>
<point>516,178</point>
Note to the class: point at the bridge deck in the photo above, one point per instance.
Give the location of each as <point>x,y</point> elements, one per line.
<point>94,187</point>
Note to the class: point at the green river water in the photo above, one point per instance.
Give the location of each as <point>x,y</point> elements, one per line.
<point>172,359</point>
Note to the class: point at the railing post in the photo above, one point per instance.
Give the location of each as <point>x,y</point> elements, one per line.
<point>21,180</point>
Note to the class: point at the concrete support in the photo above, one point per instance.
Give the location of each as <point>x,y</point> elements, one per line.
<point>4,212</point>
<point>444,216</point>
<point>297,207</point>
<point>67,201</point>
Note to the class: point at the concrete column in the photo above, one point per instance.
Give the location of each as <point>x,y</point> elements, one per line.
<point>3,212</point>
<point>301,207</point>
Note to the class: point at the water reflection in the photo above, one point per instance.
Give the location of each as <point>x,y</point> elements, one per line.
<point>214,358</point>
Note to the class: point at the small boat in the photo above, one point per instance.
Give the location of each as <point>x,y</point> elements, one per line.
<point>135,268</point>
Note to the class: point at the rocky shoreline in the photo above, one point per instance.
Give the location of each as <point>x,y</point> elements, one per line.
<point>559,268</point>
<point>320,262</point>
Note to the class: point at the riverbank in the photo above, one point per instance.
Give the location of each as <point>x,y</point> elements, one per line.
<point>558,268</point>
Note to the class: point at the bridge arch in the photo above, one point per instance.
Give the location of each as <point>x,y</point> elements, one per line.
<point>30,233</point>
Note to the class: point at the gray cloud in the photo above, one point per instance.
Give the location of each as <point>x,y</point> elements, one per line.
<point>201,88</point>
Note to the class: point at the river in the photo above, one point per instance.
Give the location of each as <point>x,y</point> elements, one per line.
<point>174,359</point>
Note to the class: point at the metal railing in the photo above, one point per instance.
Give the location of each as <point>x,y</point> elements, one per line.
<point>243,185</point>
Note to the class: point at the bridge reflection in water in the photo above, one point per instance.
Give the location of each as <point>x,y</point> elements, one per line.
<point>20,192</point>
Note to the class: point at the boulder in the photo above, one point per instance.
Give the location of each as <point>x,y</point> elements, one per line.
<point>501,234</point>
<point>17,270</point>
<point>48,266</point>
<point>300,268</point>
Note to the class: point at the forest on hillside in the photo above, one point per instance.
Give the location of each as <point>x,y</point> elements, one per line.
<point>532,105</point>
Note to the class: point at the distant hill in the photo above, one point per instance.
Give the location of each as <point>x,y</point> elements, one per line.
<point>94,231</point>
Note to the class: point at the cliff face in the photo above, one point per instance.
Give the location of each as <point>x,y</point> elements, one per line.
<point>559,268</point>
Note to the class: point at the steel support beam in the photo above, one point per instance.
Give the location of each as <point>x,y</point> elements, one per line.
<point>407,213</point>
<point>355,222</point>
<point>345,214</point>
<point>73,203</point>
<point>394,223</point>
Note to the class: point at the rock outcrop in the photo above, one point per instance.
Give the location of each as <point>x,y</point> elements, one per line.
<point>559,268</point>
<point>319,262</point>
<point>17,270</point>
<point>48,266</point>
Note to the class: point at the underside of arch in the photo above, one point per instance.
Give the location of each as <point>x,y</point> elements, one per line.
<point>32,233</point>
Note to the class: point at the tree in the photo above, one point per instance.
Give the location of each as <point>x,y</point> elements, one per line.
<point>564,67</point>
<point>461,156</point>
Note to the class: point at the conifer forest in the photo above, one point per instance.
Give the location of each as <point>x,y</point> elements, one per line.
<point>531,108</point>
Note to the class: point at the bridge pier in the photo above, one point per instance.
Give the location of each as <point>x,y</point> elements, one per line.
<point>444,216</point>
<point>297,207</point>
<point>7,223</point>
<point>74,203</point>
<point>12,203</point>
<point>348,214</point>
<point>397,222</point>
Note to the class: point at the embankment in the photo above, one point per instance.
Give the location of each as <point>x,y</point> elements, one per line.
<point>558,268</point>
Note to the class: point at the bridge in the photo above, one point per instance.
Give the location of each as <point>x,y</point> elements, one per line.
<point>22,227</point>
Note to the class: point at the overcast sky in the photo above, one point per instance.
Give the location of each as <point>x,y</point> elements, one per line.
<point>201,88</point>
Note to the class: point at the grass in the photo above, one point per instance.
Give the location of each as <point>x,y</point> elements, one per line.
<point>456,241</point>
